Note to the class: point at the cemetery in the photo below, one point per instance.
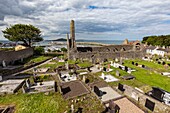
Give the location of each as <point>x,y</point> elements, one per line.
<point>77,82</point>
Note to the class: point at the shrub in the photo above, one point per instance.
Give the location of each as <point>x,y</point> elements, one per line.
<point>39,50</point>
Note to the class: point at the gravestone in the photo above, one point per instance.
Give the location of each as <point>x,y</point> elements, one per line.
<point>121,61</point>
<point>67,66</point>
<point>149,104</point>
<point>116,60</point>
<point>108,66</point>
<point>135,96</point>
<point>3,63</point>
<point>97,91</point>
<point>136,64</point>
<point>84,78</point>
<point>104,68</point>
<point>143,66</point>
<point>117,73</point>
<point>120,87</point>
<point>72,108</point>
<point>0,78</point>
<point>133,63</point>
<point>126,68</point>
<point>27,82</point>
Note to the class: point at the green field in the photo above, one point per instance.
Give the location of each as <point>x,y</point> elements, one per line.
<point>144,77</point>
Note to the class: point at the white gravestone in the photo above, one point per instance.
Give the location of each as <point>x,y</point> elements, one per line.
<point>0,78</point>
<point>3,63</point>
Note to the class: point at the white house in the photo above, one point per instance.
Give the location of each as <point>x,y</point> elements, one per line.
<point>157,51</point>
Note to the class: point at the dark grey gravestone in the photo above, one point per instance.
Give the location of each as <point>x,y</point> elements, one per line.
<point>149,104</point>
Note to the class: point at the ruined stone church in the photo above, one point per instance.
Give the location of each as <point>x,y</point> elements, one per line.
<point>98,54</point>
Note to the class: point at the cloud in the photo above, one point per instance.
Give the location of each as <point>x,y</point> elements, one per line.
<point>94,19</point>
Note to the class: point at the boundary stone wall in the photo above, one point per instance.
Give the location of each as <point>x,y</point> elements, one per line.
<point>12,56</point>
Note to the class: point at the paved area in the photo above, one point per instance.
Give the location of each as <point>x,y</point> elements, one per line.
<point>73,89</point>
<point>109,94</point>
<point>126,106</point>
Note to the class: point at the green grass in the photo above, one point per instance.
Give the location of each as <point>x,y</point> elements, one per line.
<point>35,59</point>
<point>53,66</point>
<point>149,77</point>
<point>35,103</point>
<point>84,64</point>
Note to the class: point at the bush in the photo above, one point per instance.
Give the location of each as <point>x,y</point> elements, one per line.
<point>39,50</point>
<point>64,49</point>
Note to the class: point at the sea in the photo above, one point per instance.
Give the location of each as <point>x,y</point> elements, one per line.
<point>47,42</point>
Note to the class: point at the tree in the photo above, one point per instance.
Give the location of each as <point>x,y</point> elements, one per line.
<point>22,32</point>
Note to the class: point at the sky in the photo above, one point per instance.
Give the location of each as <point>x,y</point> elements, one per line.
<point>94,19</point>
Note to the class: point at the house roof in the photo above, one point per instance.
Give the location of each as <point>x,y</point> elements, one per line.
<point>151,47</point>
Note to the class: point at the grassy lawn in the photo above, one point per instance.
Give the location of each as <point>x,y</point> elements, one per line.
<point>84,64</point>
<point>35,59</point>
<point>35,103</point>
<point>144,78</point>
<point>89,105</point>
<point>149,77</point>
<point>52,66</point>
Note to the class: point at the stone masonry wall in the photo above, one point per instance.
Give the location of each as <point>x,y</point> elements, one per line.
<point>11,56</point>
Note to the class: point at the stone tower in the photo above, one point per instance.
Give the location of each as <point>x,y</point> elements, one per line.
<point>72,34</point>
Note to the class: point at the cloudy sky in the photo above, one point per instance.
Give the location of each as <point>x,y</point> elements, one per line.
<point>94,19</point>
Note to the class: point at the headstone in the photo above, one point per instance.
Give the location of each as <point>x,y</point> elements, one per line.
<point>28,83</point>
<point>72,108</point>
<point>104,68</point>
<point>67,66</point>
<point>84,78</point>
<point>149,104</point>
<point>108,66</point>
<point>111,62</point>
<point>121,61</point>
<point>136,64</point>
<point>97,91</point>
<point>0,78</point>
<point>116,60</point>
<point>102,75</point>
<point>3,63</point>
<point>133,63</point>
<point>120,87</point>
<point>117,73</point>
<point>126,68</point>
<point>135,96</point>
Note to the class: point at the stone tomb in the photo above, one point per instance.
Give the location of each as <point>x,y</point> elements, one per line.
<point>66,77</point>
<point>46,86</point>
<point>42,70</point>
<point>7,109</point>
<point>10,86</point>
<point>108,94</point>
<point>108,78</point>
<point>73,89</point>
